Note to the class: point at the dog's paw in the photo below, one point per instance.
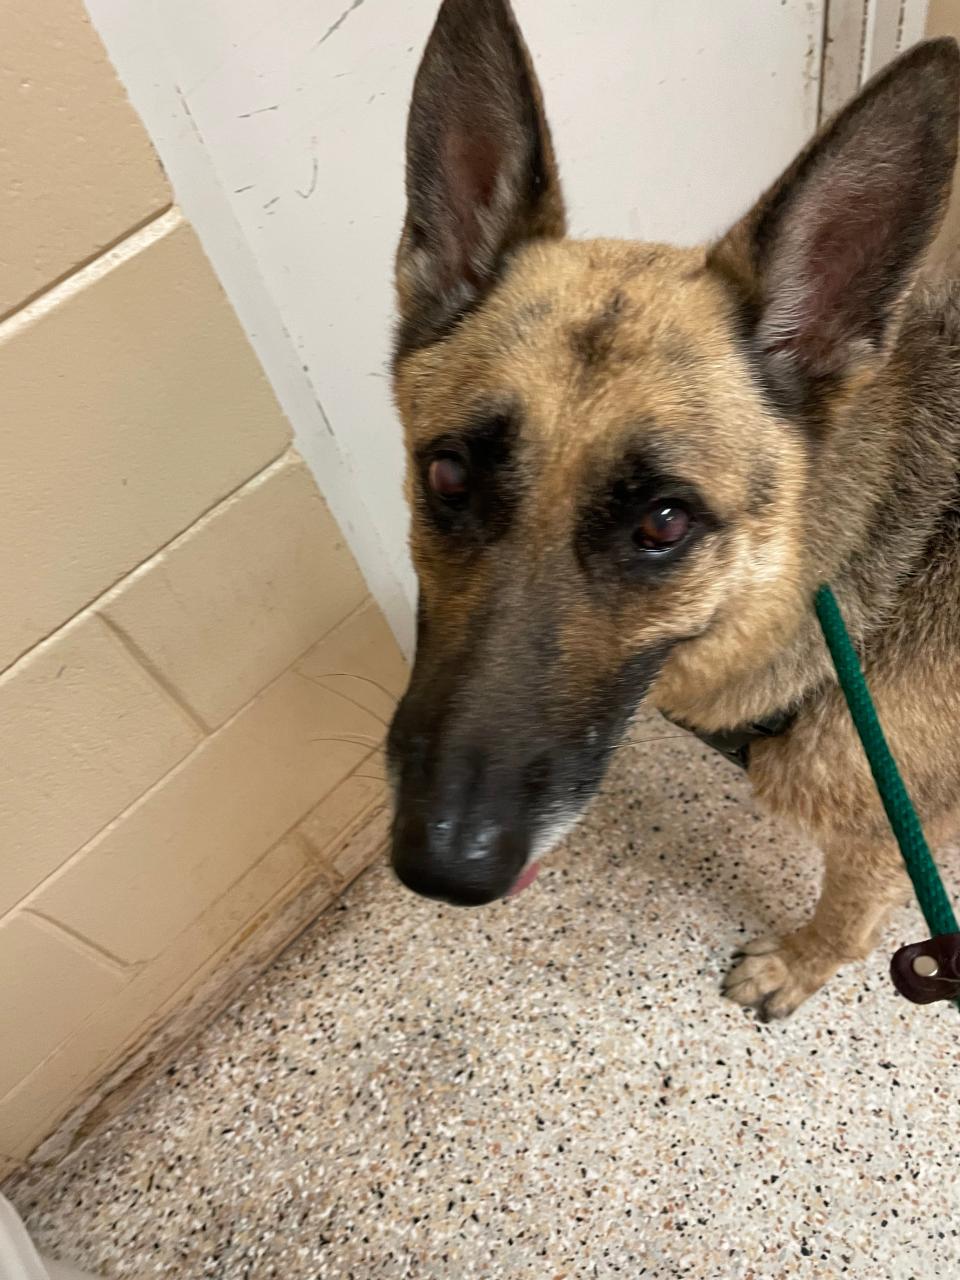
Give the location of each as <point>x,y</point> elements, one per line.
<point>775,975</point>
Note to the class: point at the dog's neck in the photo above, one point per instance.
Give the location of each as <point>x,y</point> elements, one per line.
<point>879,484</point>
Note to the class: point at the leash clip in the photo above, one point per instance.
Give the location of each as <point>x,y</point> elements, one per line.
<point>928,971</point>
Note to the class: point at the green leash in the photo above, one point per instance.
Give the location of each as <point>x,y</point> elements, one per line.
<point>903,818</point>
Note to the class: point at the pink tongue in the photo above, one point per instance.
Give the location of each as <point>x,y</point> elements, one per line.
<point>525,879</point>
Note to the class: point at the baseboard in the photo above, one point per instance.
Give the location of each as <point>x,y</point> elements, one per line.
<point>277,925</point>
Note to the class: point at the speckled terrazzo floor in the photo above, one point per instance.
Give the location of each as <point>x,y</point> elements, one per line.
<point>548,1088</point>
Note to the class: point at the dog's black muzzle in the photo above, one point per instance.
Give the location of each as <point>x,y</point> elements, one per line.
<point>491,761</point>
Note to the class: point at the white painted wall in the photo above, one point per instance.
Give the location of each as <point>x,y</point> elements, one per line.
<point>281,124</point>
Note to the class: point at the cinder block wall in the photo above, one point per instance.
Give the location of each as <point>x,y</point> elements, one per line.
<point>195,682</point>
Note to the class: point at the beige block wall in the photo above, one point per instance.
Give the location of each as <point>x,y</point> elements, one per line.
<point>194,682</point>
<point>74,171</point>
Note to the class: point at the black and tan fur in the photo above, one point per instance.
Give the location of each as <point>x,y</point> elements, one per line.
<point>793,386</point>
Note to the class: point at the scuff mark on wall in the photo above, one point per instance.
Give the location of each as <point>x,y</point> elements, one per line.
<point>305,195</point>
<point>339,23</point>
<point>259,111</point>
<point>181,98</point>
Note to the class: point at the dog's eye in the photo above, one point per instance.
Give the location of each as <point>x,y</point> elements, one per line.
<point>448,478</point>
<point>662,526</point>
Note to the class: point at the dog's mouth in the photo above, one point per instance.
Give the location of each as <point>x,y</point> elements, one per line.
<point>548,841</point>
<point>525,879</point>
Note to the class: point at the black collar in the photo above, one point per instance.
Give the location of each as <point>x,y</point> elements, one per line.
<point>734,744</point>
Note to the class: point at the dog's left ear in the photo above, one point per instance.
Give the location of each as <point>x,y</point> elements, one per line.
<point>481,177</point>
<point>823,260</point>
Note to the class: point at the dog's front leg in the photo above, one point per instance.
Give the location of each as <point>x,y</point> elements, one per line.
<point>862,883</point>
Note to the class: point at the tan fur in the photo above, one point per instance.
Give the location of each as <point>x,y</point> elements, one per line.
<point>602,346</point>
<point>761,647</point>
<point>711,429</point>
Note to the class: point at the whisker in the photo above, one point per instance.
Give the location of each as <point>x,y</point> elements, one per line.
<point>338,693</point>
<point>644,742</point>
<point>351,740</point>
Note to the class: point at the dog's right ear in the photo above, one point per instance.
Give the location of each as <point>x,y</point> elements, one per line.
<point>481,176</point>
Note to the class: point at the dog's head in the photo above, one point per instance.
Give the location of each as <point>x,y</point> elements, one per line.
<point>609,443</point>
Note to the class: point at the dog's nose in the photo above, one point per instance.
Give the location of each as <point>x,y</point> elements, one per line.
<point>443,858</point>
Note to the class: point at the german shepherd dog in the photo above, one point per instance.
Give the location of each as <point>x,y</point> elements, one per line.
<point>630,466</point>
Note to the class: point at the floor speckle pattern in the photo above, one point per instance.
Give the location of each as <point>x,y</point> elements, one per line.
<point>548,1088</point>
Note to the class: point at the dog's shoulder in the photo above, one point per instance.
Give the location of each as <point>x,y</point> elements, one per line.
<point>932,319</point>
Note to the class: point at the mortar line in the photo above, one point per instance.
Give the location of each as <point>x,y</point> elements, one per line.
<point>56,873</point>
<point>152,670</point>
<point>95,601</point>
<point>102,953</point>
<point>83,265</point>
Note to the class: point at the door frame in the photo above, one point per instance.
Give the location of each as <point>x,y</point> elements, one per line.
<point>861,36</point>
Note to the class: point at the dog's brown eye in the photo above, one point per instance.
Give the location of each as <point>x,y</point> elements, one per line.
<point>447,477</point>
<point>662,526</point>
